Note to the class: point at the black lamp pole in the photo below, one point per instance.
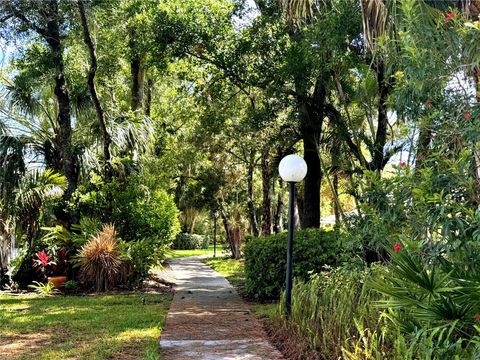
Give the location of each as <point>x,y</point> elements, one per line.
<point>215,215</point>
<point>289,275</point>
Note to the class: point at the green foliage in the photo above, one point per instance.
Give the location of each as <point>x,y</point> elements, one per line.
<point>433,204</point>
<point>313,250</point>
<point>433,300</point>
<point>44,289</point>
<point>136,210</point>
<point>143,254</point>
<point>333,313</point>
<point>71,287</point>
<point>185,241</point>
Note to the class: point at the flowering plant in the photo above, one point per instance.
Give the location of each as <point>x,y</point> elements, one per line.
<point>43,262</point>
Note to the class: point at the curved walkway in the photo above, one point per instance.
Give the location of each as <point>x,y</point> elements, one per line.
<point>208,320</point>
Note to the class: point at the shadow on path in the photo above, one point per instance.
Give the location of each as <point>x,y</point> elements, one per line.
<point>208,320</point>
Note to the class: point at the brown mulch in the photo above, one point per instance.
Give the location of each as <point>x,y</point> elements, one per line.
<point>289,344</point>
<point>154,284</point>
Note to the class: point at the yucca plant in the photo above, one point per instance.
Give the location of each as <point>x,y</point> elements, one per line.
<point>100,259</point>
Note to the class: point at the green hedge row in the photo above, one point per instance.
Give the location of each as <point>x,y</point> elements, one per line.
<point>185,241</point>
<point>265,259</point>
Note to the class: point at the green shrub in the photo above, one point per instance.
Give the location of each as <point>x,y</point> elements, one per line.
<point>185,241</point>
<point>334,316</point>
<point>143,255</point>
<point>265,259</point>
<point>137,211</point>
<point>71,287</point>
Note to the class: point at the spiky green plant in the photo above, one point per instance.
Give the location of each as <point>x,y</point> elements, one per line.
<point>100,259</point>
<point>44,289</point>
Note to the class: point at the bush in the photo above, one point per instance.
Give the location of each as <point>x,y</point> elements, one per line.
<point>137,211</point>
<point>185,241</point>
<point>100,259</point>
<point>334,317</point>
<point>265,259</point>
<point>143,255</point>
<point>71,287</point>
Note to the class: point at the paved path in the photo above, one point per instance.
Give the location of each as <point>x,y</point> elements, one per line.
<point>209,321</point>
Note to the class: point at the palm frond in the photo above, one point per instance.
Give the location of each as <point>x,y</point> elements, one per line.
<point>37,187</point>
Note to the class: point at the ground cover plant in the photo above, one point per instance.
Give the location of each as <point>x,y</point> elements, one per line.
<point>84,327</point>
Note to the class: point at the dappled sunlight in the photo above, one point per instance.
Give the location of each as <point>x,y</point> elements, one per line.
<point>138,334</point>
<point>86,327</point>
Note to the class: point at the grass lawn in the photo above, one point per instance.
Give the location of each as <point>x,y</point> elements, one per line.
<point>184,253</point>
<point>234,272</point>
<point>82,327</point>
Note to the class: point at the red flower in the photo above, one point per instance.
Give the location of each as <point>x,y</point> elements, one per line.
<point>397,247</point>
<point>467,116</point>
<point>43,259</point>
<point>449,16</point>
<point>477,316</point>
<point>403,163</point>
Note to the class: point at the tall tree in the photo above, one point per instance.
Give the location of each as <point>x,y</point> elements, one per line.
<point>107,140</point>
<point>46,19</point>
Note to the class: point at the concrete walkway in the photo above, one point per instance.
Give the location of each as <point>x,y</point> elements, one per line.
<point>209,321</point>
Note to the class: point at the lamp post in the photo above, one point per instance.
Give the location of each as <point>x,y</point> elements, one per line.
<point>292,169</point>
<point>215,217</point>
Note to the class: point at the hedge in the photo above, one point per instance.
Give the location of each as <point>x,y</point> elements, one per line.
<point>265,259</point>
<point>185,241</point>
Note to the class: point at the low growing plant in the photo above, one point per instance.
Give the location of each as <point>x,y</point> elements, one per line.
<point>44,263</point>
<point>71,287</point>
<point>44,289</point>
<point>435,302</point>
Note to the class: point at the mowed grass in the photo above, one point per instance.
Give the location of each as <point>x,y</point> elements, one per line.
<point>233,270</point>
<point>82,327</point>
<point>185,253</point>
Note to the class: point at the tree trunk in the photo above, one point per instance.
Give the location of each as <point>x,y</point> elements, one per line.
<point>476,150</point>
<point>278,217</point>
<point>267,200</point>
<point>148,97</point>
<point>93,92</point>
<point>381,135</point>
<point>250,204</point>
<point>335,169</point>
<point>50,32</point>
<point>137,73</point>
<point>64,135</point>
<point>311,200</point>
<point>312,112</point>
<point>230,236</point>
<point>336,208</point>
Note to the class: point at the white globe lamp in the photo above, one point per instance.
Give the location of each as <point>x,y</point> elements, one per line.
<point>292,168</point>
